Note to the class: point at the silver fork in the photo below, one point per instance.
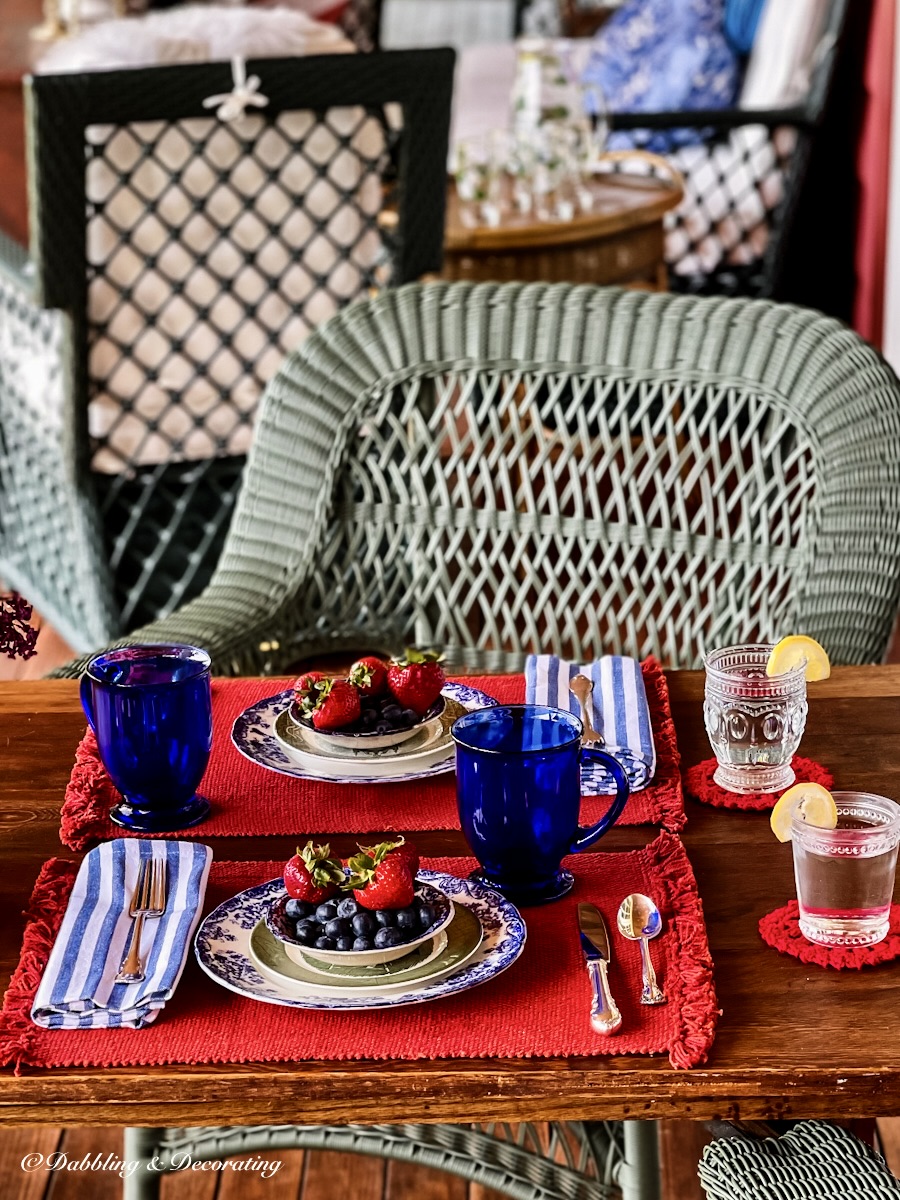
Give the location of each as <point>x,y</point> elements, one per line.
<point>581,687</point>
<point>148,900</point>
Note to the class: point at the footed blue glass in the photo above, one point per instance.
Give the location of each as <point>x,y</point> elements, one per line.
<point>151,710</point>
<point>518,787</point>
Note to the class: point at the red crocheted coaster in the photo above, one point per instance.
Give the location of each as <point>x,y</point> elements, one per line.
<point>781,930</point>
<point>699,785</point>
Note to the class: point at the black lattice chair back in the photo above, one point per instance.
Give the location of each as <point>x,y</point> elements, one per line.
<point>192,253</point>
<point>744,173</point>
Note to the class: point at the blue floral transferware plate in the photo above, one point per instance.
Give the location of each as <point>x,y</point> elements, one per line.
<point>253,733</point>
<point>222,947</point>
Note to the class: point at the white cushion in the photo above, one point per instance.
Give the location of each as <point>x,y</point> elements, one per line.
<point>787,46</point>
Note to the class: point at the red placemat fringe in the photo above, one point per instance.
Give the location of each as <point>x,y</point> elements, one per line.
<point>670,801</point>
<point>697,1010</point>
<point>43,916</point>
<point>84,819</point>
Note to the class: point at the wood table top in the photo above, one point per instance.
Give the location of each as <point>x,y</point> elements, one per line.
<point>793,1041</point>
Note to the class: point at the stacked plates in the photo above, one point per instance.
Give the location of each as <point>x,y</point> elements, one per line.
<point>486,935</point>
<point>266,734</point>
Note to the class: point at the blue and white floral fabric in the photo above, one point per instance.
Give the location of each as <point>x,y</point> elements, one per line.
<point>664,55</point>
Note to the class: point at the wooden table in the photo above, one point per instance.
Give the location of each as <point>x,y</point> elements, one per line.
<point>793,1041</point>
<point>620,241</point>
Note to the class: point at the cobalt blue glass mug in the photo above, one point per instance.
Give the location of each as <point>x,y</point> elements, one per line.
<point>518,787</point>
<point>151,710</point>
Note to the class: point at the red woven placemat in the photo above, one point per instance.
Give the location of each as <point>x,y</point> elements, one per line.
<point>781,930</point>
<point>249,800</point>
<point>700,785</point>
<point>538,1008</point>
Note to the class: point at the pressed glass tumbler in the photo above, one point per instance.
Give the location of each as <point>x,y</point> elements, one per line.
<point>151,711</point>
<point>845,876</point>
<point>754,722</point>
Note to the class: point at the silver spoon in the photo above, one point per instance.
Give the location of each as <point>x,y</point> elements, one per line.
<point>639,920</point>
<point>581,688</point>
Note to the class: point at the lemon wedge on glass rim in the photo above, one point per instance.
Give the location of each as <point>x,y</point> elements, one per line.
<point>810,801</point>
<point>791,651</point>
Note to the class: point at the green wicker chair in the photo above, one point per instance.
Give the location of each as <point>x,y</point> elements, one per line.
<point>175,258</point>
<point>495,469</point>
<point>812,1161</point>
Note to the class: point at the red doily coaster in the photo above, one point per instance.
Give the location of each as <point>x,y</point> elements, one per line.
<point>699,785</point>
<point>781,930</point>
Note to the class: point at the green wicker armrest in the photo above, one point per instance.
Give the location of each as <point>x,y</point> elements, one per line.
<point>813,1161</point>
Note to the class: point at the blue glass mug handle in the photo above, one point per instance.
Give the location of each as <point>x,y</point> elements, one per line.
<point>87,700</point>
<point>586,836</point>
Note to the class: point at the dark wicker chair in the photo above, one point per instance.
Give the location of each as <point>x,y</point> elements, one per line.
<point>175,258</point>
<point>750,183</point>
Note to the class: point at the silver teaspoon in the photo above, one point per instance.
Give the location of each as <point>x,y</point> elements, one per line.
<point>639,920</point>
<point>581,687</point>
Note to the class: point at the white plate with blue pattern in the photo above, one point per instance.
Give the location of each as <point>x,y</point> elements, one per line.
<point>253,733</point>
<point>222,947</point>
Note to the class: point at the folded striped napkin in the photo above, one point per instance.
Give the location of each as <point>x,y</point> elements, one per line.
<point>78,989</point>
<point>620,713</point>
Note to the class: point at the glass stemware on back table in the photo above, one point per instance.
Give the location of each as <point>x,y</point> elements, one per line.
<point>754,721</point>
<point>150,709</point>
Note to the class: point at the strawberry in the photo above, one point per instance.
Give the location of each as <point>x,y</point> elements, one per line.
<point>416,680</point>
<point>312,874</point>
<point>307,685</point>
<point>369,674</point>
<point>401,849</point>
<point>380,879</point>
<point>334,704</point>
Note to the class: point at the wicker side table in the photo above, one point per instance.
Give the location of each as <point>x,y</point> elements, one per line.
<point>620,241</point>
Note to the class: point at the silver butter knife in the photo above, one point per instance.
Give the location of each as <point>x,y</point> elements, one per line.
<point>605,1016</point>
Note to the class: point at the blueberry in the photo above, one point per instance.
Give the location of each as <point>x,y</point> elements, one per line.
<point>407,918</point>
<point>426,916</point>
<point>391,711</point>
<point>362,943</point>
<point>326,912</point>
<point>388,937</point>
<point>338,927</point>
<point>382,727</point>
<point>295,909</point>
<point>386,917</point>
<point>364,924</point>
<point>345,943</point>
<point>348,907</point>
<point>307,932</point>
<point>410,714</point>
<point>324,943</point>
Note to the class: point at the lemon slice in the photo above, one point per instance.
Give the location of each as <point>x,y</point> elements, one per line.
<point>791,651</point>
<point>810,801</point>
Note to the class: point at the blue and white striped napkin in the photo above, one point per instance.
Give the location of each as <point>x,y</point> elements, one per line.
<point>78,989</point>
<point>620,713</point>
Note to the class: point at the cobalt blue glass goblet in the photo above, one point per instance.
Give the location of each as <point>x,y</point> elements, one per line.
<point>150,708</point>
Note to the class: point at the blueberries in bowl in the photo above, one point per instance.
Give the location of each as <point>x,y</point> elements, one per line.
<point>346,928</point>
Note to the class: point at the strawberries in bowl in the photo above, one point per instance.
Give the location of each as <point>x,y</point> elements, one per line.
<point>379,705</point>
<point>380,913</point>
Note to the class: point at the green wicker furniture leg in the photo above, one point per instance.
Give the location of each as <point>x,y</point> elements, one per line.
<point>175,258</point>
<point>497,469</point>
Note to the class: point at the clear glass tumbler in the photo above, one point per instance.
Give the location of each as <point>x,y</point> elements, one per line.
<point>754,722</point>
<point>845,876</point>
